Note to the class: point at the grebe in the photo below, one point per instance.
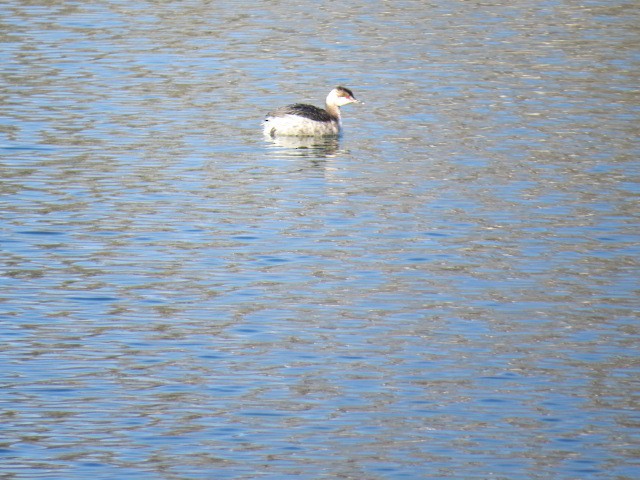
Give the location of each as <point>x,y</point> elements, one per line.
<point>304,120</point>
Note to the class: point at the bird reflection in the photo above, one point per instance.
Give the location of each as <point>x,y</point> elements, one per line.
<point>305,146</point>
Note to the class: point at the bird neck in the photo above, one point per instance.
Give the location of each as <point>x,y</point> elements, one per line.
<point>333,110</point>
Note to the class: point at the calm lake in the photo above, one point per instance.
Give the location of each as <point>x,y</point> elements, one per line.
<point>449,290</point>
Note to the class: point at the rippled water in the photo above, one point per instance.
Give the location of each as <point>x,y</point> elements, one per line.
<point>447,291</point>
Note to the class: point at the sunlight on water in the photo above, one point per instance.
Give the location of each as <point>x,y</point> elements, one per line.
<point>447,291</point>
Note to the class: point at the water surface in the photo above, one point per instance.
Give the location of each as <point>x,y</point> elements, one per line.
<point>447,291</point>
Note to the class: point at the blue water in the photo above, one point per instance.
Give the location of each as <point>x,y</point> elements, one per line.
<point>447,291</point>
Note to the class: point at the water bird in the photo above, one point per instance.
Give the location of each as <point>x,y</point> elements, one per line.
<point>302,120</point>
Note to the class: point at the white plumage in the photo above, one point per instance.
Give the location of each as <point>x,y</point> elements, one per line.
<point>304,120</point>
